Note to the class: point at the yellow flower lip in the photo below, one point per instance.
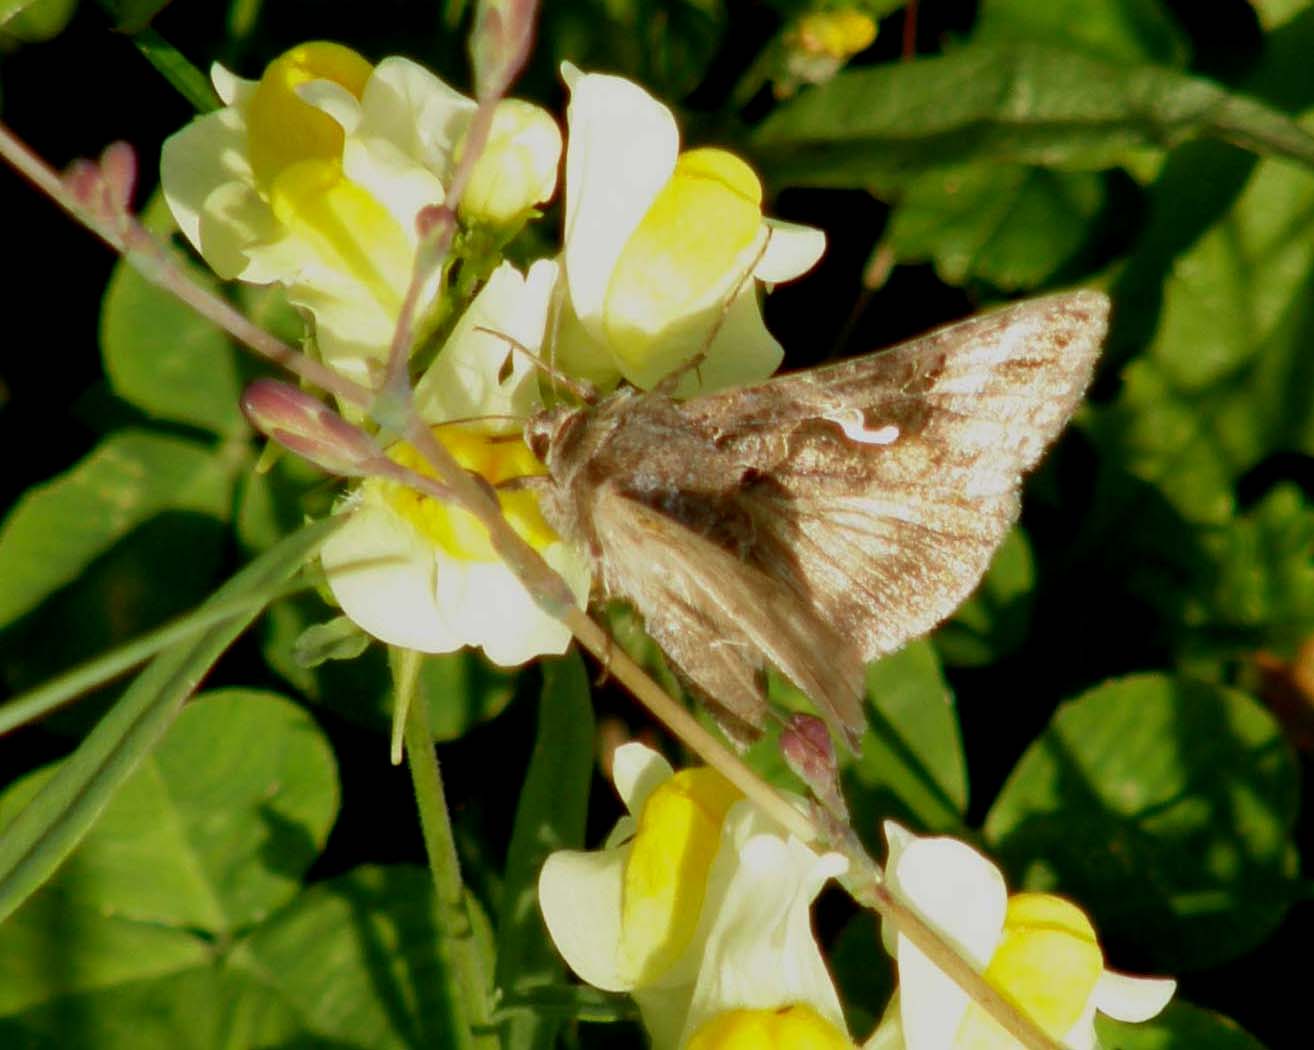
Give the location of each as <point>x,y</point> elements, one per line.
<point>282,128</point>
<point>1048,962</point>
<point>784,1028</point>
<point>495,458</point>
<point>678,835</point>
<point>684,255</point>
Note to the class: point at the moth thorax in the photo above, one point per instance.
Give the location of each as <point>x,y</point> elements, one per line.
<point>550,431</point>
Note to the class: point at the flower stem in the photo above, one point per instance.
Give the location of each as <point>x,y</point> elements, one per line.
<point>474,1030</point>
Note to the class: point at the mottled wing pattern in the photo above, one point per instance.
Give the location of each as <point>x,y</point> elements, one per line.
<point>717,618</point>
<point>890,479</point>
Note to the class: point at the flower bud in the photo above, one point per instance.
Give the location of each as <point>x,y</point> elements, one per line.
<point>517,169</point>
<point>308,427</point>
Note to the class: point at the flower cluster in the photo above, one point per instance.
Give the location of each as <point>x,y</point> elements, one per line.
<point>699,908</point>
<point>312,179</point>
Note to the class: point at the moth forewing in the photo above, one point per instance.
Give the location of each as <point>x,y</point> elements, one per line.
<point>823,518</point>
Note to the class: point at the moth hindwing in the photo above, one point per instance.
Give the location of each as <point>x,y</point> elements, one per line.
<point>819,519</point>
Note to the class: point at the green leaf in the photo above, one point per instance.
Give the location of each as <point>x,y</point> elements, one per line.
<point>1128,31</point>
<point>994,621</point>
<point>1013,227</point>
<point>550,816</point>
<point>57,529</point>
<point>51,825</point>
<point>1257,589</point>
<point>462,689</point>
<point>912,767</point>
<point>1007,103</point>
<point>1165,806</point>
<point>210,833</point>
<point>357,959</point>
<point>1222,382</point>
<point>335,639</point>
<point>164,357</point>
<point>1180,1027</point>
<point>191,1005</point>
<point>33,21</point>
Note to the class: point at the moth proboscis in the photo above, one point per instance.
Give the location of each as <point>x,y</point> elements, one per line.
<point>819,519</point>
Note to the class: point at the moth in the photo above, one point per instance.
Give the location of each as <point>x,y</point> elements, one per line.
<point>820,519</point>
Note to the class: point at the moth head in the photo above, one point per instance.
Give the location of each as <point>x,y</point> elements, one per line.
<point>549,432</point>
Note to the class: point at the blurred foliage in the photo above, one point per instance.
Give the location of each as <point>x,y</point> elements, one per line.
<point>1095,715</point>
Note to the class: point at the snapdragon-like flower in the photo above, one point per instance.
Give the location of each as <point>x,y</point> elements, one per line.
<point>1039,950</point>
<point>697,906</point>
<point>663,248</point>
<point>420,573</point>
<point>312,178</point>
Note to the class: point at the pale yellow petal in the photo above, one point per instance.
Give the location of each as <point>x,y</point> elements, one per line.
<point>580,896</point>
<point>792,251</point>
<point>621,150</point>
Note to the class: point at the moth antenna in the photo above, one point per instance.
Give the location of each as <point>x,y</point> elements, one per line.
<point>580,388</point>
<point>695,362</point>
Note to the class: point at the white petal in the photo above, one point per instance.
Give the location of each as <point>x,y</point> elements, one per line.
<point>621,150</point>
<point>207,154</point>
<point>637,771</point>
<point>237,234</point>
<point>352,329</point>
<point>792,250</point>
<point>961,894</point>
<point>331,98</point>
<point>382,574</point>
<point>394,178</point>
<point>410,107</point>
<point>231,89</point>
<point>486,606</point>
<point>580,896</point>
<point>760,949</point>
<point>466,380</point>
<point>1134,999</point>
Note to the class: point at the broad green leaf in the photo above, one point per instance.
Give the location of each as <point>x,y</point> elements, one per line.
<point>56,819</point>
<point>550,816</point>
<point>357,959</point>
<point>1223,380</point>
<point>33,21</point>
<point>164,357</point>
<point>1010,226</point>
<point>994,620</point>
<point>912,767</point>
<point>208,835</point>
<point>1118,30</point>
<point>1180,1027</point>
<point>192,1005</point>
<point>57,529</point>
<point>1008,103</point>
<point>1165,806</point>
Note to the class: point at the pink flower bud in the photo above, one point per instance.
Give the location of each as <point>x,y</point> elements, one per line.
<point>810,752</point>
<point>311,429</point>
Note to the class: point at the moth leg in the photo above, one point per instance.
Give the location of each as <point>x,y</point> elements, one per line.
<point>672,379</point>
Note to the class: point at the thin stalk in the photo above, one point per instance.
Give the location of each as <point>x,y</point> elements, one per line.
<point>474,1020</point>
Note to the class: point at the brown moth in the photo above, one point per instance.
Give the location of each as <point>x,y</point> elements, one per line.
<point>820,519</point>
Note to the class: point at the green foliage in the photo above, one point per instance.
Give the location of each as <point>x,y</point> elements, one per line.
<point>171,880</point>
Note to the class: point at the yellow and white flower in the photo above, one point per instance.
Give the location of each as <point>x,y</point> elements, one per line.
<point>658,242</point>
<point>312,177</point>
<point>1037,949</point>
<point>698,906</point>
<point>421,574</point>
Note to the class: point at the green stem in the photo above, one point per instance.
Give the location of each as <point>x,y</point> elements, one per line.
<point>474,1029</point>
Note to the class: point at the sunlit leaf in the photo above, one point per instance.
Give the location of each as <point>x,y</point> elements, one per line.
<point>1165,805</point>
